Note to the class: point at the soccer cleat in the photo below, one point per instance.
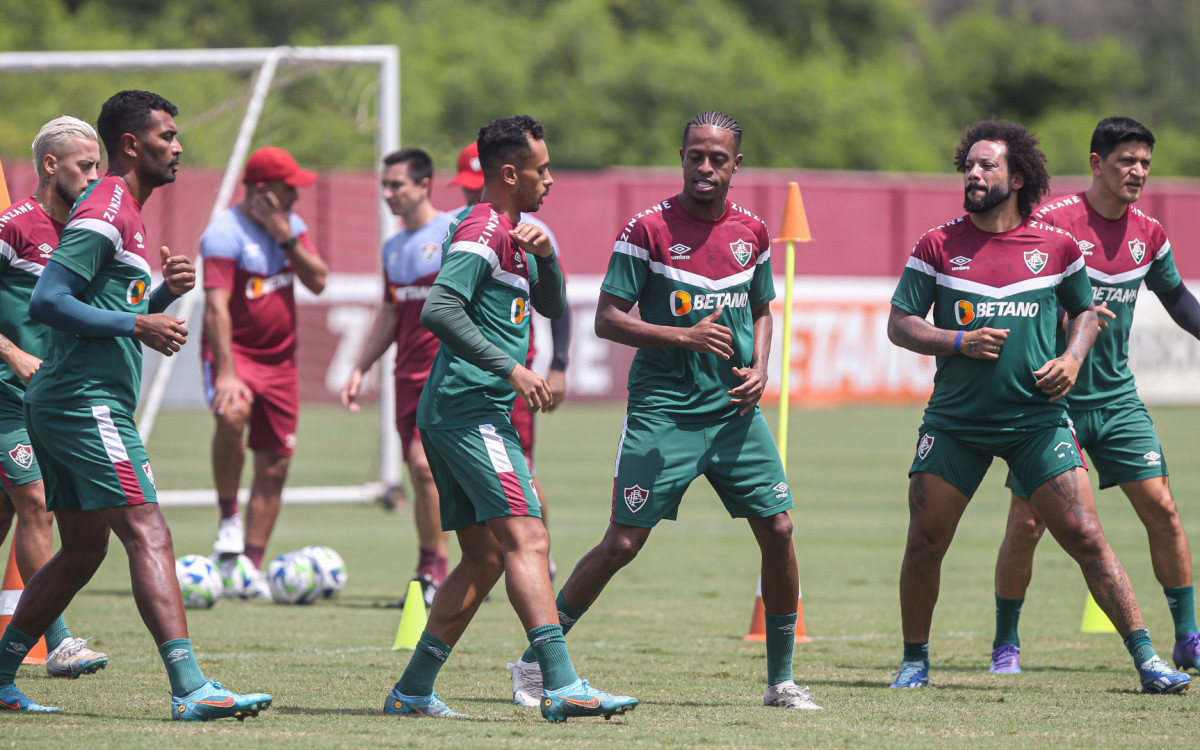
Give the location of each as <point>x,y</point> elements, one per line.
<point>1158,677</point>
<point>1187,652</point>
<point>526,683</point>
<point>581,699</point>
<point>72,658</point>
<point>790,695</point>
<point>431,706</point>
<point>912,674</point>
<point>215,701</point>
<point>1006,659</point>
<point>230,540</point>
<point>428,589</point>
<point>12,699</point>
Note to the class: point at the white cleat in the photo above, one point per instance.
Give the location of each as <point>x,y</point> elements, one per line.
<point>526,683</point>
<point>230,539</point>
<point>72,658</point>
<point>259,588</point>
<point>790,695</point>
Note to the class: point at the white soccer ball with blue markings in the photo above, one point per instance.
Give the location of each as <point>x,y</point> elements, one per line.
<point>331,569</point>
<point>199,581</point>
<point>293,579</point>
<point>237,575</point>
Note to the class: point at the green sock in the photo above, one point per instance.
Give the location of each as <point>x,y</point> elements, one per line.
<point>14,645</point>
<point>550,647</point>
<point>781,641</point>
<point>1140,648</point>
<point>1182,601</point>
<point>57,633</point>
<point>567,616</point>
<point>182,669</point>
<point>917,652</point>
<point>1008,614</point>
<point>422,670</point>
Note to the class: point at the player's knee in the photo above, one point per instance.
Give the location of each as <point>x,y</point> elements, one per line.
<point>1083,541</point>
<point>620,549</point>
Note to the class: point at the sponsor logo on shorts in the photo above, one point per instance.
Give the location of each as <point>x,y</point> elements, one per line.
<point>924,446</point>
<point>679,252</point>
<point>135,292</point>
<point>781,489</point>
<point>289,440</point>
<point>22,455</point>
<point>1137,249</point>
<point>742,251</point>
<point>149,473</point>
<point>177,655</point>
<point>1063,449</point>
<point>517,313</point>
<point>960,263</point>
<point>1085,247</point>
<point>257,286</point>
<point>965,311</point>
<point>1036,260</point>
<point>635,498</point>
<point>683,302</point>
<point>1153,458</point>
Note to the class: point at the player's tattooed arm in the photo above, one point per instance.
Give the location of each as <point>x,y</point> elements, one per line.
<point>917,334</point>
<point>22,363</point>
<point>1057,377</point>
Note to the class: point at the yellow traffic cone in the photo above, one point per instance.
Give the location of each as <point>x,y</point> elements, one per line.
<point>412,621</point>
<point>1094,619</point>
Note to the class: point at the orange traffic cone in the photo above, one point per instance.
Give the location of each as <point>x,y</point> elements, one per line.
<point>795,220</point>
<point>9,596</point>
<point>758,620</point>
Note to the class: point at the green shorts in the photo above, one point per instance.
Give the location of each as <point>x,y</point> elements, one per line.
<point>657,460</point>
<point>18,465</point>
<point>1120,442</point>
<point>480,473</point>
<point>962,455</point>
<point>91,457</point>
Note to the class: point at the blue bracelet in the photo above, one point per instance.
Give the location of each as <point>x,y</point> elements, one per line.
<point>958,341</point>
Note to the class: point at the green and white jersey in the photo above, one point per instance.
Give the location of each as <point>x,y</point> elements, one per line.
<point>105,243</point>
<point>482,263</point>
<point>679,269</point>
<point>1012,280</point>
<point>1120,255</point>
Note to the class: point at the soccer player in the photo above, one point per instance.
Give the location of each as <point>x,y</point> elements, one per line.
<point>95,293</point>
<point>1122,247</point>
<point>411,260</point>
<point>252,252</point>
<point>67,159</point>
<point>698,267</point>
<point>492,269</point>
<point>995,279</point>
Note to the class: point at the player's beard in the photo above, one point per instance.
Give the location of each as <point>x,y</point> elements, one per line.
<point>994,196</point>
<point>64,192</point>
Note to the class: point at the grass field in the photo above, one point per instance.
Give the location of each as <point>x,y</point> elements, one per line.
<point>667,630</point>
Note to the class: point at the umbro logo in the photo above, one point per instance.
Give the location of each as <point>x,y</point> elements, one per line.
<point>960,263</point>
<point>1153,458</point>
<point>788,629</point>
<point>1085,247</point>
<point>177,655</point>
<point>441,655</point>
<point>139,239</point>
<point>18,648</point>
<point>679,252</point>
<point>781,489</point>
<point>45,250</point>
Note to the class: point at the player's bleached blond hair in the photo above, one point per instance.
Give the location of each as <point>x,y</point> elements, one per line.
<point>58,134</point>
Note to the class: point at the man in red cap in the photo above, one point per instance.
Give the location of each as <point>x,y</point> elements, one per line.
<point>252,252</point>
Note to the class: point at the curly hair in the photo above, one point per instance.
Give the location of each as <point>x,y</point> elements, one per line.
<point>128,112</point>
<point>1021,152</point>
<point>506,141</point>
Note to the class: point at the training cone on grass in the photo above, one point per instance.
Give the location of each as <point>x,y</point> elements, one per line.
<point>758,620</point>
<point>412,621</point>
<point>10,594</point>
<point>1094,619</point>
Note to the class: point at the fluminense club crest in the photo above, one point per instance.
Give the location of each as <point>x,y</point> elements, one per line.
<point>925,445</point>
<point>1036,260</point>
<point>22,455</point>
<point>149,473</point>
<point>1137,249</point>
<point>636,497</point>
<point>742,251</point>
<point>428,250</point>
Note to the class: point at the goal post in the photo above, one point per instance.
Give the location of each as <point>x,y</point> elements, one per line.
<point>264,63</point>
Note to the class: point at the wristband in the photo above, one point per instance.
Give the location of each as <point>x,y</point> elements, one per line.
<point>289,243</point>
<point>958,341</point>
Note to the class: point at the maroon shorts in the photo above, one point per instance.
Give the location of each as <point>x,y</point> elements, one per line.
<point>408,393</point>
<point>276,408</point>
<point>522,420</point>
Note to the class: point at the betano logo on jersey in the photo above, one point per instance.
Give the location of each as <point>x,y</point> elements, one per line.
<point>135,292</point>
<point>257,286</point>
<point>683,302</point>
<point>518,311</point>
<point>965,312</point>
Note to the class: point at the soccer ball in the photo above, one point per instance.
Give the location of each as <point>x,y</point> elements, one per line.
<point>293,579</point>
<point>199,581</point>
<point>237,575</point>
<point>331,569</point>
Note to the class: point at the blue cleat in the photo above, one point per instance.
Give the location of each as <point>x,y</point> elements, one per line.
<point>420,706</point>
<point>215,701</point>
<point>912,674</point>
<point>1158,677</point>
<point>1187,652</point>
<point>12,699</point>
<point>1006,660</point>
<point>581,699</point>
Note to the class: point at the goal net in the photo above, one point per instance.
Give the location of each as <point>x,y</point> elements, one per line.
<point>337,110</point>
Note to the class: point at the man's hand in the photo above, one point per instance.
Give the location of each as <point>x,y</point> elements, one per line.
<point>754,381</point>
<point>1057,377</point>
<point>532,387</point>
<point>178,272</point>
<point>532,239</point>
<point>161,332</point>
<point>265,209</point>
<point>557,380</point>
<point>24,365</point>
<point>230,395</point>
<point>1102,312</point>
<point>983,343</point>
<point>710,337</point>
<point>350,390</point>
